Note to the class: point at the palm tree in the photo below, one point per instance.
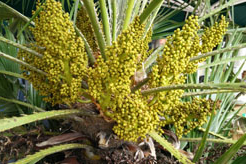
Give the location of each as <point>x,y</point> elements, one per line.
<point>96,62</point>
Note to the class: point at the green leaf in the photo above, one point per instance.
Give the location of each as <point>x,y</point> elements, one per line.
<point>34,98</point>
<point>234,114</point>
<point>7,88</point>
<point>9,123</point>
<point>168,27</point>
<point>152,58</point>
<point>29,22</point>
<point>42,153</point>
<point>203,142</point>
<point>216,10</point>
<point>169,147</point>
<point>150,8</point>
<point>11,12</point>
<point>232,151</point>
<point>239,160</point>
<point>5,13</point>
<point>151,19</point>
<point>222,62</point>
<point>5,64</point>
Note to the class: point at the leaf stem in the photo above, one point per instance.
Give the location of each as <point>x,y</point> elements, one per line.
<point>139,85</point>
<point>90,8</point>
<point>22,63</point>
<point>84,101</point>
<point>208,92</point>
<point>219,51</point>
<point>87,46</point>
<point>152,58</point>
<point>75,11</point>
<point>105,21</point>
<point>212,133</point>
<point>114,26</point>
<point>223,61</point>
<point>130,5</point>
<point>12,74</point>
<point>218,86</point>
<point>23,104</point>
<point>20,46</point>
<point>9,123</point>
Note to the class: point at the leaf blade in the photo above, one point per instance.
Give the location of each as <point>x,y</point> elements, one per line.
<point>41,154</point>
<point>232,151</point>
<point>9,123</point>
<point>169,147</point>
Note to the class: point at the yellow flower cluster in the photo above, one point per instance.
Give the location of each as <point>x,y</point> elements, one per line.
<point>123,57</point>
<point>64,59</point>
<point>110,81</point>
<point>84,24</point>
<point>213,35</point>
<point>170,70</point>
<point>96,78</point>
<point>134,118</point>
<point>186,116</point>
<point>178,49</point>
<point>209,40</point>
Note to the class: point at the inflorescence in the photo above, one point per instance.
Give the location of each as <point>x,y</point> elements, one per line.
<point>84,25</point>
<point>110,84</point>
<point>171,68</point>
<point>64,59</point>
<point>110,81</point>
